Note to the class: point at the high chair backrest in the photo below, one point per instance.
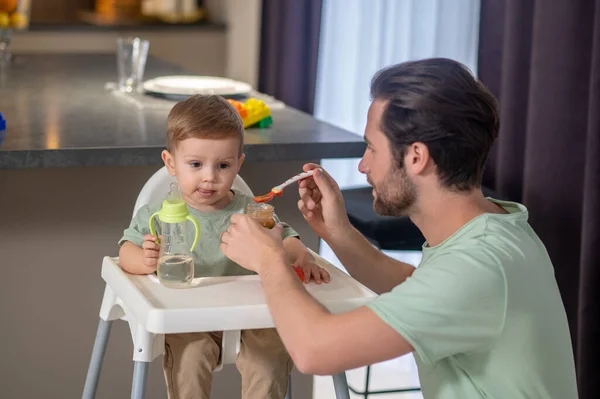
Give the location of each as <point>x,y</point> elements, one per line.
<point>157,187</point>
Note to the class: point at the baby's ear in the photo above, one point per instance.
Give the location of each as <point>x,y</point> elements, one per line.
<point>169,161</point>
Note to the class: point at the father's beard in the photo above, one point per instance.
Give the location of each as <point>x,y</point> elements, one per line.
<point>395,195</point>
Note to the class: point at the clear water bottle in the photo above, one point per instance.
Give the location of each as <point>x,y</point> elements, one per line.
<point>175,259</point>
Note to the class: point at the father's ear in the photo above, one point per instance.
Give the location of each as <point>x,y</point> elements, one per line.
<point>167,158</point>
<point>417,158</point>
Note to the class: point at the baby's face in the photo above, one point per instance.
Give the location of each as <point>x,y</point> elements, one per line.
<point>205,170</point>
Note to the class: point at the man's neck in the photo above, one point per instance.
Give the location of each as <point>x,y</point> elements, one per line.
<point>442,213</point>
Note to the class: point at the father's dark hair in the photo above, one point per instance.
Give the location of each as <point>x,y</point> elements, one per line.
<point>438,102</point>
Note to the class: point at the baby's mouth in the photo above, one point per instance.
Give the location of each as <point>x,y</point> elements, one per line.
<point>206,193</point>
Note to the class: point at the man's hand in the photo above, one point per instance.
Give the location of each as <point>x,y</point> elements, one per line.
<point>310,269</point>
<point>322,204</point>
<point>250,245</point>
<point>151,251</point>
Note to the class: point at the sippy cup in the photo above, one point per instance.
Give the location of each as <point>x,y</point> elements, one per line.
<point>175,260</point>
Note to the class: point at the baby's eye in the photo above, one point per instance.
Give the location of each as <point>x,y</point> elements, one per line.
<point>223,165</point>
<point>195,164</point>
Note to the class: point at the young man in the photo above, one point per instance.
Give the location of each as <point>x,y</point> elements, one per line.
<point>482,313</point>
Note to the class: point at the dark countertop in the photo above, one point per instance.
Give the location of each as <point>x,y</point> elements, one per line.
<point>59,115</point>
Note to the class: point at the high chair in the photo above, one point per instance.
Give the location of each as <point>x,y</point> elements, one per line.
<point>228,304</point>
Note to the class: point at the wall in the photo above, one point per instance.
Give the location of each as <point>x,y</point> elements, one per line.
<point>232,52</point>
<point>198,51</point>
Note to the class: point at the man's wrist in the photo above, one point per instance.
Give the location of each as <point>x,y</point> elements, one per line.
<point>340,235</point>
<point>276,264</point>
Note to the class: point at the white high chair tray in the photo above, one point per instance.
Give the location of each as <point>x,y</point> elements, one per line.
<point>219,303</point>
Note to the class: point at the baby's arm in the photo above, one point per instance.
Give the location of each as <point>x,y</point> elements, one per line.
<point>136,260</point>
<point>297,252</point>
<point>299,256</point>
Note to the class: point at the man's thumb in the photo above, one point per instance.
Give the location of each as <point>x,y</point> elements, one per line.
<point>278,228</point>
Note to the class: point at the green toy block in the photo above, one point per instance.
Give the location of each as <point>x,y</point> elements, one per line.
<point>264,123</point>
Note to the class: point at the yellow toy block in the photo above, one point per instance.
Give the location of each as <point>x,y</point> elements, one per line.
<point>252,111</point>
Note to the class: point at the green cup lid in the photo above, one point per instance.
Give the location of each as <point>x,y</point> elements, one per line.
<point>174,209</point>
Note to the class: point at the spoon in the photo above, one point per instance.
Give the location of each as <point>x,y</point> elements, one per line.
<point>278,190</point>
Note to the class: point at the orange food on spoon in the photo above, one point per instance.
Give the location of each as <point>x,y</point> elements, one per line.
<point>278,191</point>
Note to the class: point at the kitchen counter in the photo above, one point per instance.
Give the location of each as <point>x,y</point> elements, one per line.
<point>59,114</point>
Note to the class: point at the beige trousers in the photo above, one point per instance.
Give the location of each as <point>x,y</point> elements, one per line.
<point>190,359</point>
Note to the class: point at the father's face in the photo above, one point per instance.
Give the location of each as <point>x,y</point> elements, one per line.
<point>393,191</point>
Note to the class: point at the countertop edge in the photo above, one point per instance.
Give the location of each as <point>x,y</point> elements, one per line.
<point>149,156</point>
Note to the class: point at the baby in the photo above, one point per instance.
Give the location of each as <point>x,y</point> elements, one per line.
<point>205,141</point>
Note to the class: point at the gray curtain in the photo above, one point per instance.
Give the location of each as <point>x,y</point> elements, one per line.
<point>542,59</point>
<point>289,51</point>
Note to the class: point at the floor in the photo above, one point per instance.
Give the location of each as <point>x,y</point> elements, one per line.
<point>392,374</point>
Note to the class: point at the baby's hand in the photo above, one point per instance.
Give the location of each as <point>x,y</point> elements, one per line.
<point>151,250</point>
<point>310,269</point>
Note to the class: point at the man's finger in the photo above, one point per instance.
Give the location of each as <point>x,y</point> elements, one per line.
<point>308,215</point>
<point>305,193</point>
<point>276,231</point>
<point>316,195</point>
<point>302,206</point>
<point>310,166</point>
<point>325,183</point>
<point>236,218</point>
<point>225,237</point>
<point>223,248</point>
<point>309,203</point>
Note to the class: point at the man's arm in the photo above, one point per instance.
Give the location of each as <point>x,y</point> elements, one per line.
<point>319,342</point>
<point>367,264</point>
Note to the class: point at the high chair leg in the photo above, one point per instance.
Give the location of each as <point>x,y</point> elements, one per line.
<point>93,374</point>
<point>138,387</point>
<point>340,384</point>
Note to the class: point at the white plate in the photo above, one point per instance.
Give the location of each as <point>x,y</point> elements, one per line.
<point>183,85</point>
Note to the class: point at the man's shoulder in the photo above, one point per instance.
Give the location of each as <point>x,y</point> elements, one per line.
<point>495,241</point>
<point>488,230</point>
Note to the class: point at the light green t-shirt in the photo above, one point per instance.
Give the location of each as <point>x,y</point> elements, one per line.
<point>208,258</point>
<point>484,314</point>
